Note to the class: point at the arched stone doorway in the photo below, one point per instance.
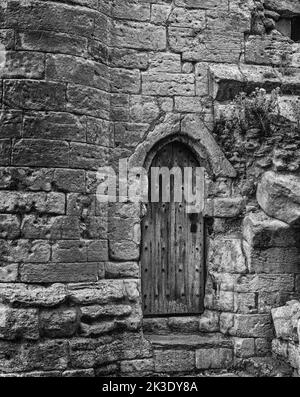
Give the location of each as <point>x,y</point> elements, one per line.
<point>173,238</point>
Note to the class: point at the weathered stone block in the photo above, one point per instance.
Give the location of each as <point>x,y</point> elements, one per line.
<point>18,323</point>
<point>268,301</point>
<point>10,359</point>
<point>186,18</point>
<point>226,81</point>
<point>279,196</point>
<point>273,260</point>
<point>228,207</point>
<point>268,50</point>
<point>124,250</point>
<point>130,134</point>
<point>88,156</point>
<point>223,281</point>
<point>51,203</point>
<point>9,226</point>
<point>209,321</point>
<point>122,270</point>
<point>59,272</point>
<point>285,7</point>
<point>48,227</point>
<point>119,107</point>
<point>123,210</point>
<point>127,58</point>
<point>79,373</point>
<point>42,179</point>
<point>79,251</point>
<point>139,36</point>
<point>143,109</point>
<point>262,346</point>
<point>95,312</point>
<point>25,251</point>
<point>221,300</point>
<point>133,289</point>
<point>226,255</point>
<point>124,80</point>
<point>194,105</point>
<point>5,151</point>
<point>11,124</point>
<point>82,352</point>
<point>130,10</point>
<point>184,324</point>
<point>48,355</point>
<point>174,360</point>
<point>265,283</point>
<point>47,41</point>
<point>89,101</point>
<point>245,303</point>
<point>294,356</point>
<point>9,273</point>
<point>168,84</point>
<point>101,292</point>
<point>76,21</point>
<point>280,348</point>
<point>129,346</point>
<point>244,347</point>
<point>251,325</point>
<point>7,37</point>
<point>86,205</point>
<point>261,231</point>
<point>207,46</point>
<point>69,69</point>
<point>286,320</point>
<point>54,125</point>
<point>107,370</point>
<point>35,95</point>
<point>137,366</point>
<point>44,356</point>
<point>40,152</point>
<point>97,329</point>
<point>94,227</point>
<point>99,132</point>
<point>58,323</point>
<point>102,28</point>
<point>203,4</point>
<point>124,228</point>
<point>24,65</point>
<point>30,295</point>
<point>160,13</point>
<point>215,358</point>
<point>230,21</point>
<point>165,62</point>
<point>155,326</point>
<point>97,251</point>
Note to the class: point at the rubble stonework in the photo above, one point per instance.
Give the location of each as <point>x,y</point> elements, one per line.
<point>88,82</point>
<point>287,327</point>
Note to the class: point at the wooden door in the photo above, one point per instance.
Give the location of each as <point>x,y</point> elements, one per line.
<point>172,247</point>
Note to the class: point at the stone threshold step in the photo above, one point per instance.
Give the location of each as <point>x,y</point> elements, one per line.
<point>188,341</point>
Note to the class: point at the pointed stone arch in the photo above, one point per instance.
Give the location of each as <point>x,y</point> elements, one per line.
<point>190,130</point>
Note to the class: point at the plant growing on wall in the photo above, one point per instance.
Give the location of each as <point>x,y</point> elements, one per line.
<point>255,136</point>
<point>256,110</point>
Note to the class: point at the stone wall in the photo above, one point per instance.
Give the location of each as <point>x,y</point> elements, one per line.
<point>60,290</point>
<point>287,327</point>
<point>89,82</point>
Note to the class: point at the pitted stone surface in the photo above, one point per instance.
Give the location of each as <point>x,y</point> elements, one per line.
<point>279,197</point>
